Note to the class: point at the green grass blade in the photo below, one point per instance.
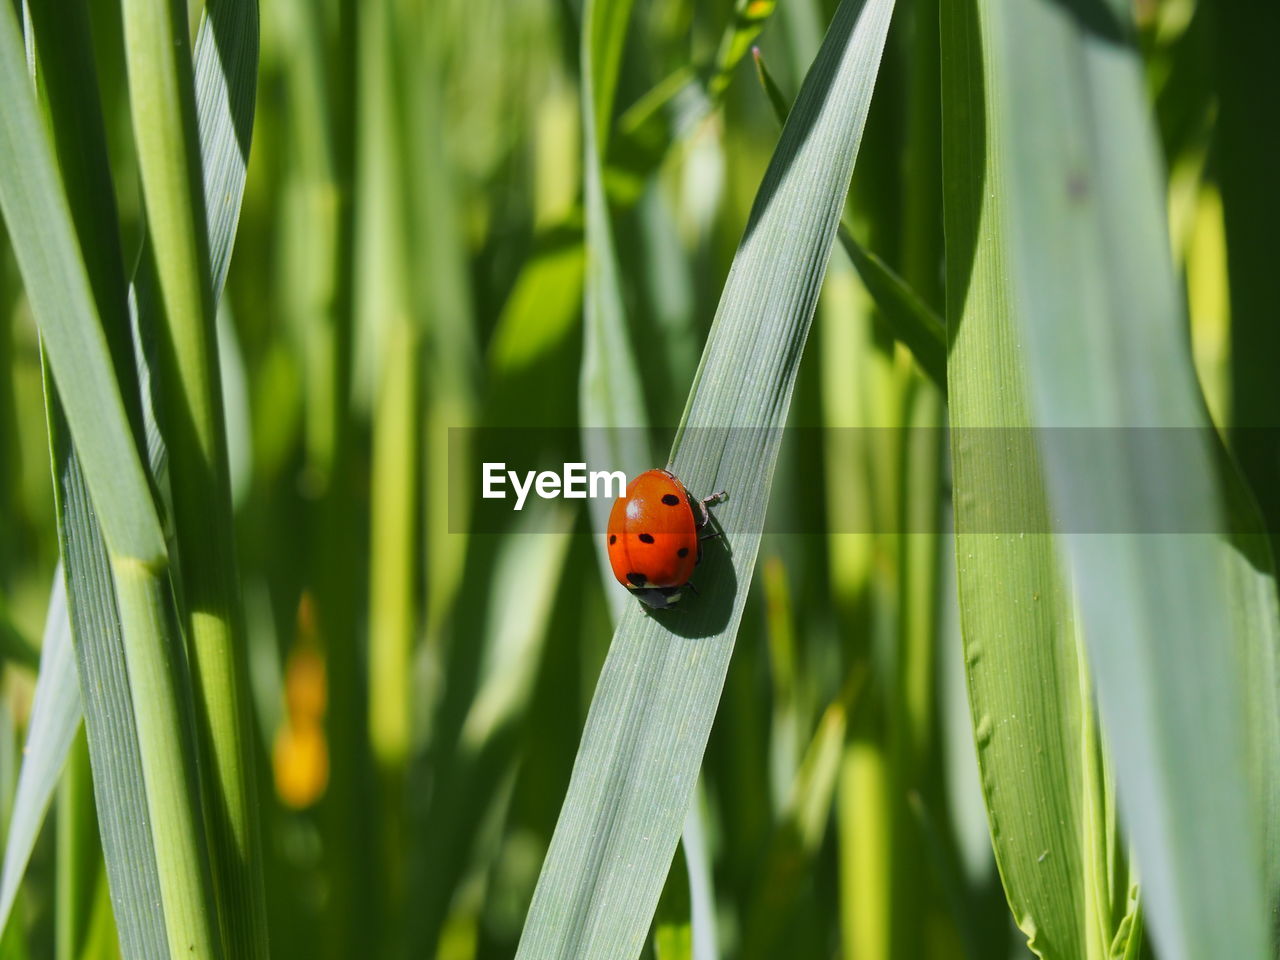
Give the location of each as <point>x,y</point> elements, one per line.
<point>611,402</point>
<point>40,223</point>
<point>384,305</point>
<point>543,305</point>
<point>1097,304</point>
<point>702,899</point>
<point>55,717</point>
<point>13,939</point>
<point>907,316</point>
<point>110,721</point>
<point>749,18</point>
<point>443,295</point>
<point>798,836</point>
<point>40,227</point>
<point>1032,716</point>
<point>674,108</point>
<point>79,853</point>
<point>657,694</point>
<point>225,69</point>
<point>518,607</point>
<point>173,142</point>
<point>140,731</point>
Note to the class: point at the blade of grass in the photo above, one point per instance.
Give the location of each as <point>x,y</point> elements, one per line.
<point>40,224</point>
<point>702,900</point>
<point>156,915</point>
<point>543,304</point>
<point>674,108</point>
<point>1183,657</point>
<point>79,853</point>
<point>442,295</point>
<point>55,717</point>
<point>383,303</point>
<point>184,141</point>
<point>800,830</point>
<point>476,747</point>
<point>611,403</point>
<point>749,19</point>
<point>44,244</point>
<point>12,939</point>
<point>909,319</point>
<point>649,721</point>
<point>1031,712</point>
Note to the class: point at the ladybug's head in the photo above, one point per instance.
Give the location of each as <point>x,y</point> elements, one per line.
<point>660,598</point>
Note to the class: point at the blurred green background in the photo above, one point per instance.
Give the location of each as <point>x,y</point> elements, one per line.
<point>410,258</point>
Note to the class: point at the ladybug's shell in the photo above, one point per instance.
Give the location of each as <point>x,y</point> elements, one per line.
<point>653,535</point>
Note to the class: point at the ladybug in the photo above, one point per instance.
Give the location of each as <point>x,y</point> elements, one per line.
<point>654,540</point>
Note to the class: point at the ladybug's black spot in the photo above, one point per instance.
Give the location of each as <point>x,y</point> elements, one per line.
<point>646,538</point>
<point>639,579</point>
<point>670,499</point>
<point>682,552</point>
<point>613,538</point>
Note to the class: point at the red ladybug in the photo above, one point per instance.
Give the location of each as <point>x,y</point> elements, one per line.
<point>654,541</point>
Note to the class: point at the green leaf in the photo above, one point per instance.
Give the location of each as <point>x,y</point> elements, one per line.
<point>901,309</point>
<point>384,304</point>
<point>55,717</point>
<point>657,694</point>
<point>543,305</point>
<point>1180,627</point>
<point>611,403</point>
<point>1026,675</point>
<point>909,318</point>
<point>111,720</point>
<point>192,147</point>
<point>79,855</point>
<point>802,825</point>
<point>674,108</point>
<point>481,725</point>
<point>130,543</point>
<point>44,243</point>
<point>749,18</point>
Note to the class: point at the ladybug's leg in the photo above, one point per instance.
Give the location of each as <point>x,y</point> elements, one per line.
<point>711,501</point>
<point>712,535</point>
<point>693,588</point>
<point>704,514</point>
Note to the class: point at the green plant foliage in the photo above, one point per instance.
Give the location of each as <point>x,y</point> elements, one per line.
<point>658,690</point>
<point>1183,658</point>
<point>1003,682</point>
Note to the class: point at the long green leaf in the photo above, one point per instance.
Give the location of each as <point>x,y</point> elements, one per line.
<point>384,303</point>
<point>40,226</point>
<point>55,716</point>
<point>140,736</point>
<point>178,133</point>
<point>656,698</point>
<point>1032,715</point>
<point>79,855</point>
<point>611,403</point>
<point>907,316</point>
<point>37,214</point>
<point>1180,653</point>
